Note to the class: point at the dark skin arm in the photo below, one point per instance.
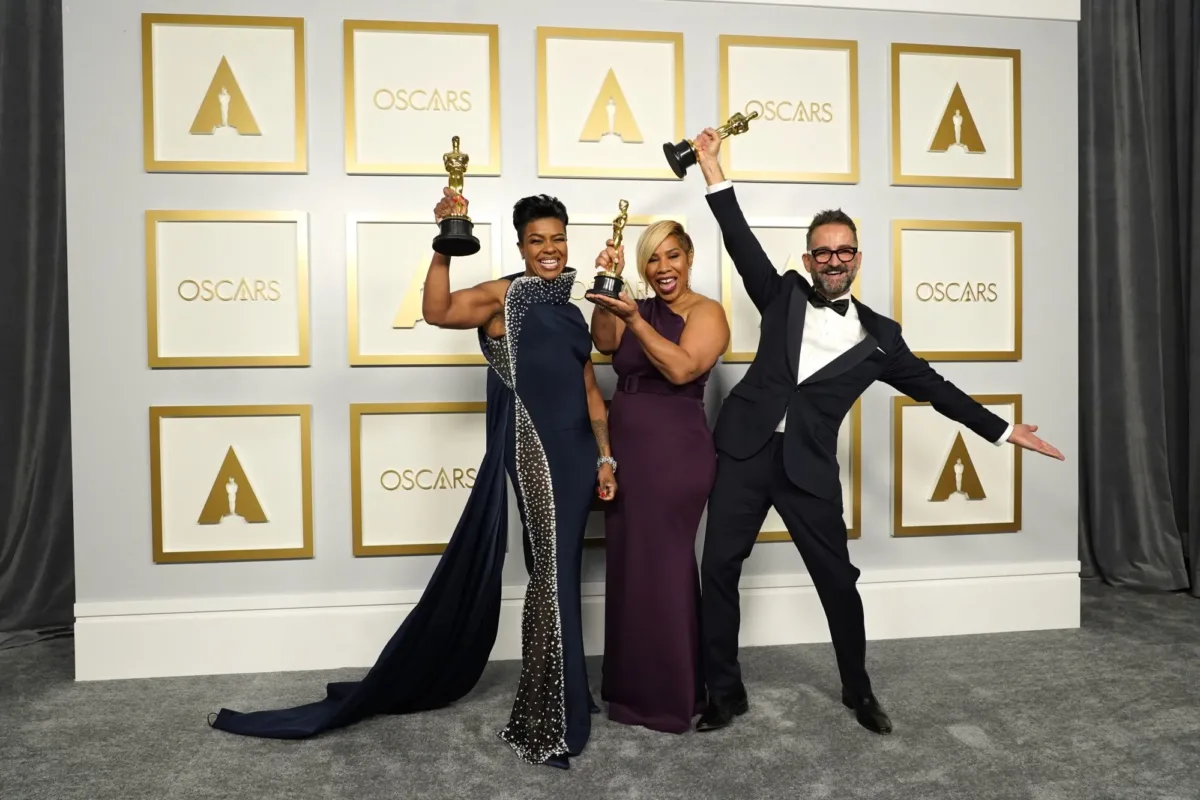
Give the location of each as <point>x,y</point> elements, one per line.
<point>464,309</point>
<point>705,336</point>
<point>598,413</point>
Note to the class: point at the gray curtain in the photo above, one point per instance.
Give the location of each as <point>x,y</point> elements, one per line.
<point>37,571</point>
<point>1139,294</point>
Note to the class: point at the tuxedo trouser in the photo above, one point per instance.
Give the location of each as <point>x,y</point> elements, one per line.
<point>743,493</point>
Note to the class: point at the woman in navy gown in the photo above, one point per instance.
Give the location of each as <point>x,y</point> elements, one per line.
<point>546,420</point>
<point>662,351</point>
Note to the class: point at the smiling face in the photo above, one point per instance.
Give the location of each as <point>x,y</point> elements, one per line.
<point>666,271</point>
<point>664,259</point>
<point>543,247</point>
<point>832,259</point>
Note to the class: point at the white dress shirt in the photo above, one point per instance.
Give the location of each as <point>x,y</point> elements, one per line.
<point>827,335</point>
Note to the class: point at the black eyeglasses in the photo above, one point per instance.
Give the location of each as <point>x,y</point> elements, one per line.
<point>822,255</point>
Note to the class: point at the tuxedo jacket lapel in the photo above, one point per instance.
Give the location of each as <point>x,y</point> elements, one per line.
<point>845,362</point>
<point>797,307</point>
<point>851,358</point>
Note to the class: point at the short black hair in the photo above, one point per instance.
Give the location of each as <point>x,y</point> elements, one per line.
<point>833,216</point>
<point>539,206</point>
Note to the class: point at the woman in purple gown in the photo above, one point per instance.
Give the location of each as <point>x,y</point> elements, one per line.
<point>663,349</point>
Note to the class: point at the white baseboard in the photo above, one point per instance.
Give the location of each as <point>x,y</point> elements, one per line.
<point>215,636</point>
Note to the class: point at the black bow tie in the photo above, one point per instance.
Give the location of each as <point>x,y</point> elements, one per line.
<point>840,306</point>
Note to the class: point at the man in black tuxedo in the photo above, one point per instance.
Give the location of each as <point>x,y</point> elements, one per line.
<point>776,437</point>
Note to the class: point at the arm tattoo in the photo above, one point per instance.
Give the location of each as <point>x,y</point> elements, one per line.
<point>600,428</point>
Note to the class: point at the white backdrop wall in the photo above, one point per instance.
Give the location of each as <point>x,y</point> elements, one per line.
<point>139,618</point>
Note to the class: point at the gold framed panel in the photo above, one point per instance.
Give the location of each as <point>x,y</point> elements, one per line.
<point>159,413</point>
<point>900,530</point>
<point>477,167</point>
<point>359,359</point>
<point>732,356</point>
<point>899,226</point>
<point>854,529</point>
<point>899,176</point>
<point>357,412</point>
<point>544,34</point>
<point>630,272</point>
<point>728,41</point>
<point>151,162</point>
<point>157,361</point>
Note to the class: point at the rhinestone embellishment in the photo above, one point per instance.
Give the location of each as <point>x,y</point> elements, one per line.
<point>537,726</point>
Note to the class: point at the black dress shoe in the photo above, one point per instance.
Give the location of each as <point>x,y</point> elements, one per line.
<point>868,712</point>
<point>721,712</point>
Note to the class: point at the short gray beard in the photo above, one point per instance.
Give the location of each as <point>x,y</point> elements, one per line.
<point>824,288</point>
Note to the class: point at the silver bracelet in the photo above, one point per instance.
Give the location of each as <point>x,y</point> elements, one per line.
<point>606,460</point>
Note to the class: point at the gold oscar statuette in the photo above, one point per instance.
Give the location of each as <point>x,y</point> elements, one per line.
<point>456,238</point>
<point>608,283</point>
<point>682,155</point>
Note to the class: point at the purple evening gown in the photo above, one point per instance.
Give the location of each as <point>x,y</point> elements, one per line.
<point>666,467</point>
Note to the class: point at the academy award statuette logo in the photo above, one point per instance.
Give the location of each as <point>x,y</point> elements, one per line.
<point>957,128</point>
<point>958,478</point>
<point>231,500</point>
<point>611,119</point>
<point>224,110</point>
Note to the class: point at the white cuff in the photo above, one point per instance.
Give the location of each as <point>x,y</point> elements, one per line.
<point>1003,440</point>
<point>716,187</point>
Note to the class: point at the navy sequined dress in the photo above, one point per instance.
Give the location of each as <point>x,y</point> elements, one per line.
<point>539,434</point>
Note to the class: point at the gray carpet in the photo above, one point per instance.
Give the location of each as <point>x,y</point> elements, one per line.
<point>1108,711</point>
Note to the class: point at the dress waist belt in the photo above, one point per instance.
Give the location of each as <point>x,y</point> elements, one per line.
<point>643,384</point>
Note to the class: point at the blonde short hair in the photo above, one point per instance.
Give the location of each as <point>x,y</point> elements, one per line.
<point>653,237</point>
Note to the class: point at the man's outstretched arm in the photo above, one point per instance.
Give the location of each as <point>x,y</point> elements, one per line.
<point>759,276</point>
<point>914,377</point>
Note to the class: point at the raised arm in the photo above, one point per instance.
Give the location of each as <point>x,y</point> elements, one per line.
<point>759,276</point>
<point>466,308</point>
<point>461,310</point>
<point>607,327</point>
<point>705,336</point>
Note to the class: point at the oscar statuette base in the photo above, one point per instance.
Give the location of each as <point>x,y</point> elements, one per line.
<point>456,239</point>
<point>680,156</point>
<point>606,285</point>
